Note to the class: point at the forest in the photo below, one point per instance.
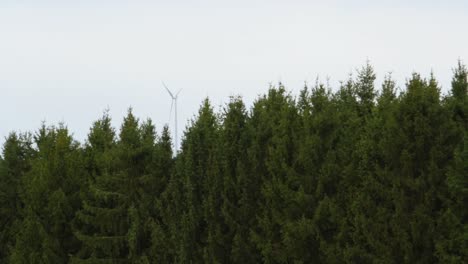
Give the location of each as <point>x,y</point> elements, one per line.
<point>356,174</point>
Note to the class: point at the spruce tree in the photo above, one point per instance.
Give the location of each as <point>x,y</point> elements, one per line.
<point>154,184</point>
<point>372,208</point>
<point>337,177</point>
<point>102,224</point>
<point>452,241</point>
<point>240,186</point>
<point>200,224</point>
<point>419,168</point>
<point>51,187</point>
<point>365,88</point>
<point>15,161</point>
<point>318,124</point>
<point>167,236</point>
<point>281,182</point>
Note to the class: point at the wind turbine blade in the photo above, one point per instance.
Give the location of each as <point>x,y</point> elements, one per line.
<point>167,89</point>
<point>178,92</point>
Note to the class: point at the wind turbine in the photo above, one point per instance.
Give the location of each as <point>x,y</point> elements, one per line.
<point>174,103</point>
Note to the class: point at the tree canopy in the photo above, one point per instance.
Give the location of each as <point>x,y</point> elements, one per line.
<point>358,174</point>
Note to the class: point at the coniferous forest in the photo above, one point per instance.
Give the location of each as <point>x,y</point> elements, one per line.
<point>362,173</point>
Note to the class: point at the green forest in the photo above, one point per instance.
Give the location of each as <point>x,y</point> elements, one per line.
<point>361,173</point>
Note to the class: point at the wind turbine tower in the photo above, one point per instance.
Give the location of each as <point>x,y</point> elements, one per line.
<point>174,104</point>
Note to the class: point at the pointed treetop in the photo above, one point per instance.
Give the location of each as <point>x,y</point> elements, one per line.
<point>460,81</point>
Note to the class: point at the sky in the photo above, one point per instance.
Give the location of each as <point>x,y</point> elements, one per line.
<point>68,61</point>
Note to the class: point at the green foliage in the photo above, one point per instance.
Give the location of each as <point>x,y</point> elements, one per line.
<point>240,187</point>
<point>359,175</point>
<point>14,163</point>
<point>50,198</point>
<point>452,245</point>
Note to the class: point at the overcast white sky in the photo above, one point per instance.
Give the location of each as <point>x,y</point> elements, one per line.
<point>69,60</point>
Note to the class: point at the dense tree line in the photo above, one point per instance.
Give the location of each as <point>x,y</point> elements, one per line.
<point>358,175</point>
